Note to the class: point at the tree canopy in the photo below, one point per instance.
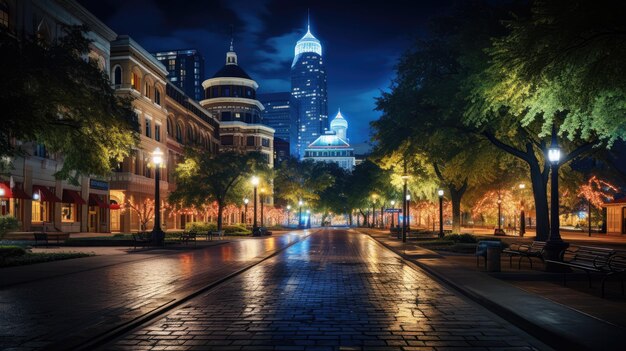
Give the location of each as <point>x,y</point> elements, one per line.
<point>54,95</point>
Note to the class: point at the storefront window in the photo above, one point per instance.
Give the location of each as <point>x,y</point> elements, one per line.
<point>40,210</point>
<point>68,212</point>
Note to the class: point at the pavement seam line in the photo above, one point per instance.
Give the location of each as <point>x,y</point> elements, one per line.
<point>107,336</point>
<point>555,340</point>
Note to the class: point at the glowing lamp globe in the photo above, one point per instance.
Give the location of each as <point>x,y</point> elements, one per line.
<point>157,157</point>
<point>440,192</point>
<point>2,192</point>
<point>245,201</point>
<point>300,203</point>
<point>554,153</point>
<point>393,202</point>
<point>255,181</point>
<point>408,198</point>
<point>288,207</point>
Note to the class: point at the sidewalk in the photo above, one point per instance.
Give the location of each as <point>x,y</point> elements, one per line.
<point>555,323</point>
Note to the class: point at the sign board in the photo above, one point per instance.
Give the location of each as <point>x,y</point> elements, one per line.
<point>98,184</point>
<point>393,210</point>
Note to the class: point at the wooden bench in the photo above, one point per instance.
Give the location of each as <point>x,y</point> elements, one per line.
<point>142,238</point>
<point>481,249</point>
<point>47,237</point>
<point>523,250</point>
<point>187,237</point>
<point>590,260</point>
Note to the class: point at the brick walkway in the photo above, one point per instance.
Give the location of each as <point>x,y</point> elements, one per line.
<point>336,290</point>
<point>97,294</point>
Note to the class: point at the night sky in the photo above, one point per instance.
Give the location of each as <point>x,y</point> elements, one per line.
<point>361,40</point>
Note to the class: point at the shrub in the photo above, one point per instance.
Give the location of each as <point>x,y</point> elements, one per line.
<point>200,226</point>
<point>7,223</point>
<point>237,228</point>
<point>461,238</point>
<point>11,251</point>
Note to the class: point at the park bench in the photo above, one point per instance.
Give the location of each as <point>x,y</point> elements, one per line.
<point>261,231</point>
<point>481,249</point>
<point>592,260</point>
<point>142,239</point>
<point>47,237</point>
<point>189,236</point>
<point>523,250</point>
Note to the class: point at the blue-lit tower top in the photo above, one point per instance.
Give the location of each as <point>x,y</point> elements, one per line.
<point>308,43</point>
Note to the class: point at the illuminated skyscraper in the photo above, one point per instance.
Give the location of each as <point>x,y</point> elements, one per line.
<point>185,70</point>
<point>309,102</point>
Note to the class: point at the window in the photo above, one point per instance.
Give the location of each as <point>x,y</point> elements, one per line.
<point>265,142</point>
<point>227,139</point>
<point>157,96</point>
<point>68,212</point>
<point>179,133</point>
<point>157,132</point>
<point>226,116</point>
<point>250,141</point>
<point>147,90</point>
<point>169,127</point>
<point>134,81</point>
<point>148,128</point>
<point>190,135</point>
<point>40,151</point>
<point>117,76</point>
<point>226,91</point>
<point>40,211</point>
<point>4,14</point>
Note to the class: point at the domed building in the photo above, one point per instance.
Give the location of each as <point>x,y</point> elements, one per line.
<point>231,96</point>
<point>333,146</point>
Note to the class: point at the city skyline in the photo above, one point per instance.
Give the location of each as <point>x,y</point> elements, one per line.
<point>359,58</point>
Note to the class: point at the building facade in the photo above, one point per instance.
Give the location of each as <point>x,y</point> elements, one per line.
<point>231,96</point>
<point>185,70</point>
<point>309,97</point>
<point>616,217</point>
<point>31,193</point>
<point>333,146</point>
<point>277,113</point>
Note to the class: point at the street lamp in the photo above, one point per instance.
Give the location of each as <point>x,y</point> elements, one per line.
<point>522,215</point>
<point>262,198</point>
<point>405,178</point>
<point>499,230</point>
<point>373,210</point>
<point>440,193</point>
<point>288,212</point>
<point>300,214</point>
<point>255,184</point>
<point>157,234</point>
<point>555,245</point>
<point>245,211</point>
<point>393,207</point>
<point>408,214</point>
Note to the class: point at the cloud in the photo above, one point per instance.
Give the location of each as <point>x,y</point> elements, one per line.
<point>277,52</point>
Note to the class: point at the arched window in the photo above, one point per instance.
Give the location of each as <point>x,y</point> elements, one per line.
<point>4,14</point>
<point>190,135</point>
<point>157,96</point>
<point>135,81</point>
<point>117,76</point>
<point>179,133</point>
<point>169,127</point>
<point>147,89</point>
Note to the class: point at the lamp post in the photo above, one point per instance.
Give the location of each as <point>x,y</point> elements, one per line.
<point>408,213</point>
<point>373,210</point>
<point>555,245</point>
<point>440,193</point>
<point>157,234</point>
<point>393,207</point>
<point>245,211</point>
<point>522,218</point>
<point>499,230</point>
<point>255,183</point>
<point>288,212</point>
<point>300,214</point>
<point>405,178</point>
<point>262,198</point>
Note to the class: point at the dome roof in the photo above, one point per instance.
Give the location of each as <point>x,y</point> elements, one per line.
<point>231,71</point>
<point>308,43</point>
<point>338,122</point>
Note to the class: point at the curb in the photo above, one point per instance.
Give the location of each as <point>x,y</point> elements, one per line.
<point>548,337</point>
<point>85,342</point>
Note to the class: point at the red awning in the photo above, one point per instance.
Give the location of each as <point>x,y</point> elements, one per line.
<point>114,205</point>
<point>95,200</point>
<point>15,193</point>
<point>72,196</point>
<point>46,194</point>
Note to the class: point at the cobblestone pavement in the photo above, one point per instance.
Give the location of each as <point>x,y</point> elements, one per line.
<point>83,304</point>
<point>336,290</point>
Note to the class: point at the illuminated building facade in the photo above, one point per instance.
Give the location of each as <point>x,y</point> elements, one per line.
<point>309,101</point>
<point>333,146</point>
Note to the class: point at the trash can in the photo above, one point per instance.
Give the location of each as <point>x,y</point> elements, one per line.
<point>493,259</point>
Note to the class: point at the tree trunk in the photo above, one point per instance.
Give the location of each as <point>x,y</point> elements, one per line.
<point>540,195</point>
<point>456,195</point>
<point>350,218</point>
<point>220,211</point>
<point>365,222</point>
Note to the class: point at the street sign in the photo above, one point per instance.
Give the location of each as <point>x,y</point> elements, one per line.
<point>393,210</point>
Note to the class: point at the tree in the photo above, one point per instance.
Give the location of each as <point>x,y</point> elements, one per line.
<point>55,97</point>
<point>203,178</point>
<point>144,211</point>
<point>558,70</point>
<point>301,180</point>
